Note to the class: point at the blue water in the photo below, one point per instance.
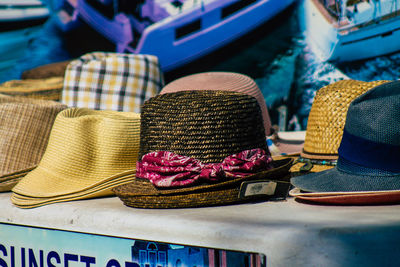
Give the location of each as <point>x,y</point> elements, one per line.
<point>276,56</point>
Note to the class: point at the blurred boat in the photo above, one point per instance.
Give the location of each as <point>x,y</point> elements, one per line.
<point>348,30</point>
<point>176,31</point>
<point>20,20</point>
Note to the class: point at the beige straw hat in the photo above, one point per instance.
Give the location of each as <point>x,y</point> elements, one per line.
<point>24,131</point>
<point>208,126</point>
<point>87,150</point>
<point>47,89</point>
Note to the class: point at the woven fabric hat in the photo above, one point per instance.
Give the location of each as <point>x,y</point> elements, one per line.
<point>24,130</point>
<point>47,89</point>
<point>86,149</point>
<point>207,126</point>
<point>369,149</point>
<point>328,115</point>
<point>112,81</point>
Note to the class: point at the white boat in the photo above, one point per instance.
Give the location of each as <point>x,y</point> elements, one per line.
<point>19,22</point>
<point>349,30</point>
<point>176,31</point>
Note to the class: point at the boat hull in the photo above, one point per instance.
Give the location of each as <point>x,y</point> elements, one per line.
<point>183,38</point>
<point>335,44</point>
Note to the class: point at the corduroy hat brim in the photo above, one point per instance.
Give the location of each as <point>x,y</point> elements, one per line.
<point>348,198</point>
<point>142,194</point>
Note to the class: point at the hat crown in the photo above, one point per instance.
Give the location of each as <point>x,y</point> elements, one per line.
<point>206,125</point>
<point>24,129</point>
<point>222,81</point>
<point>328,115</point>
<point>375,115</point>
<point>85,148</point>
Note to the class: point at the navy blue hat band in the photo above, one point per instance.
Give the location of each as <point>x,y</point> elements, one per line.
<point>369,153</point>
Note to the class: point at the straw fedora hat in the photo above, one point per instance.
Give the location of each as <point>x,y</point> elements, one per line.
<point>325,124</point>
<point>236,82</point>
<point>204,128</point>
<point>87,149</point>
<point>111,81</point>
<point>24,131</point>
<point>47,89</point>
<point>369,149</point>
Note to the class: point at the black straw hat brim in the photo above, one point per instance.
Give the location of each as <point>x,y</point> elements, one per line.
<point>142,194</point>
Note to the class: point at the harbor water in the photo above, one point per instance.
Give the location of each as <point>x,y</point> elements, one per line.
<point>274,55</point>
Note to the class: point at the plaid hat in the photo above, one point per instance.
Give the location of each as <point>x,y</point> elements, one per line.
<point>24,131</point>
<point>369,149</point>
<point>89,152</point>
<point>235,82</point>
<point>111,81</point>
<point>205,128</point>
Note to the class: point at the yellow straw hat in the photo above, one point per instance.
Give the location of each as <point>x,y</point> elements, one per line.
<point>87,149</point>
<point>326,123</point>
<point>24,131</point>
<point>327,117</point>
<point>48,89</point>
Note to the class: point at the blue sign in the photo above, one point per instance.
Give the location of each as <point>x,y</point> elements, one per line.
<point>23,246</point>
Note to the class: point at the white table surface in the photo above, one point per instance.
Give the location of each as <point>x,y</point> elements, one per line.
<point>288,233</point>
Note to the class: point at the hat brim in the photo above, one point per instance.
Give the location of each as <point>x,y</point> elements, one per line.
<point>142,194</point>
<point>349,198</point>
<point>335,180</point>
<point>101,190</point>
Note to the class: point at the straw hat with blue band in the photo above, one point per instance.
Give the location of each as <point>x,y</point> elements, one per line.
<point>370,147</point>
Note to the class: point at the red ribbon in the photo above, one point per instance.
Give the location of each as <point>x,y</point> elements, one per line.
<point>167,169</point>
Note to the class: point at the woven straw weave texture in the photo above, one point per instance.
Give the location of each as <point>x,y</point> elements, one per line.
<point>142,194</point>
<point>86,148</point>
<point>222,81</point>
<point>46,89</point>
<point>206,125</point>
<point>328,115</point>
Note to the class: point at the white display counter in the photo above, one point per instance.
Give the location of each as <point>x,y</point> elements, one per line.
<point>288,233</point>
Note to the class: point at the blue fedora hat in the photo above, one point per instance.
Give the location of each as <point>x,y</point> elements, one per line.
<point>369,153</point>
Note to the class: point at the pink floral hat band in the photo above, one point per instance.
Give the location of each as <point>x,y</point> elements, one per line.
<point>167,169</point>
